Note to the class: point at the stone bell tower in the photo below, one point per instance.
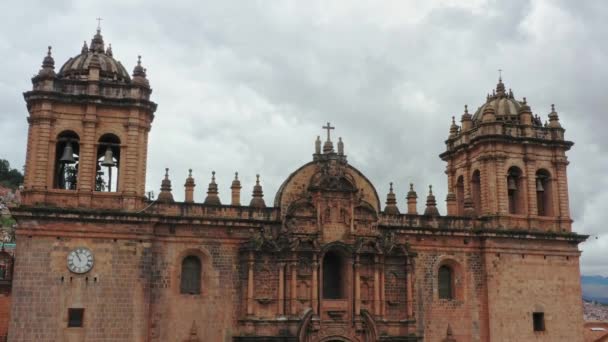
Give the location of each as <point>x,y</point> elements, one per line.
<point>88,132</point>
<point>505,164</point>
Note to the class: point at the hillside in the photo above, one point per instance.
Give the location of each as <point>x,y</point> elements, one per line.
<point>595,288</point>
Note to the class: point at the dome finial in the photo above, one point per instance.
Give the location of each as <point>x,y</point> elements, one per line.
<point>165,195</point>
<point>139,70</point>
<point>212,193</point>
<point>257,200</point>
<point>97,42</point>
<point>99,19</point>
<point>48,62</point>
<point>391,202</point>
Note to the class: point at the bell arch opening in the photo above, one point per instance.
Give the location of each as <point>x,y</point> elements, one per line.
<point>67,161</point>
<point>334,275</point>
<point>108,163</point>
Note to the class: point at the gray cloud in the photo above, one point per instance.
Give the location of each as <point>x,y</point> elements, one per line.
<point>246,85</point>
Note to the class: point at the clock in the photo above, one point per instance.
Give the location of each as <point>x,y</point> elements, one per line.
<point>80,260</point>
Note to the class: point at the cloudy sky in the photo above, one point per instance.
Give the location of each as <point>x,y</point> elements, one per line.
<point>246,85</point>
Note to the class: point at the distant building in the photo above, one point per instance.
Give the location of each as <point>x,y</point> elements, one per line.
<point>325,261</point>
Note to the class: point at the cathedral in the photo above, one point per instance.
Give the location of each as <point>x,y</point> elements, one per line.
<point>326,260</point>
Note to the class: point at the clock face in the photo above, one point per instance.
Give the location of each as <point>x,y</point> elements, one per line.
<point>80,260</point>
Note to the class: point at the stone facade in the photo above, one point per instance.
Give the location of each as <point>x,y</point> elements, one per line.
<point>324,262</point>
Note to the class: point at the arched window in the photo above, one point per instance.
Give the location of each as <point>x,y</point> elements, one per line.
<point>460,195</point>
<point>515,190</point>
<point>543,193</point>
<point>108,162</point>
<point>333,276</point>
<point>476,191</point>
<point>191,275</point>
<point>446,282</point>
<point>67,161</point>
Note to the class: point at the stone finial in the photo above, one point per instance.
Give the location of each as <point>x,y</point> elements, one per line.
<point>212,193</point>
<point>48,65</point>
<point>257,200</point>
<point>189,186</point>
<point>431,204</point>
<point>109,51</point>
<point>165,195</point>
<point>489,113</point>
<point>554,118</point>
<point>412,201</point>
<point>318,145</point>
<point>340,147</point>
<point>466,119</point>
<point>391,202</point>
<point>139,74</point>
<point>236,190</point>
<point>139,70</point>
<point>525,113</point>
<point>85,48</point>
<point>453,128</point>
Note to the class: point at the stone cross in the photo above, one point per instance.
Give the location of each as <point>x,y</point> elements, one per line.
<point>328,128</point>
<point>99,23</point>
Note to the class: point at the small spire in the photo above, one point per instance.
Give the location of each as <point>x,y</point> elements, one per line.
<point>318,145</point>
<point>165,189</point>
<point>411,201</point>
<point>391,202</point>
<point>340,147</point>
<point>109,50</point>
<point>466,119</point>
<point>85,48</point>
<point>453,128</point>
<point>189,187</point>
<point>212,193</point>
<point>554,118</point>
<point>48,63</point>
<point>236,190</point>
<point>258,195</point>
<point>139,70</point>
<point>431,204</point>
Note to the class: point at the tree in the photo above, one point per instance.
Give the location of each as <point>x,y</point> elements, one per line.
<point>10,178</point>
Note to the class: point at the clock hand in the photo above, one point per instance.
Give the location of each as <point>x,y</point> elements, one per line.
<point>78,256</point>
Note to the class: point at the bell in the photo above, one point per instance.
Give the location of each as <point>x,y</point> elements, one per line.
<point>511,185</point>
<point>539,185</point>
<point>108,158</point>
<point>68,154</point>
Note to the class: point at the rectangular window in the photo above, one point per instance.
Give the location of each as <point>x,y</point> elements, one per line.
<point>538,319</point>
<point>75,318</point>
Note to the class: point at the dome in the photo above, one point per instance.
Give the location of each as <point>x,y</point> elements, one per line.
<point>110,69</point>
<point>506,108</point>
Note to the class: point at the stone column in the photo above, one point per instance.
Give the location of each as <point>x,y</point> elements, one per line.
<point>250,285</point>
<point>315,285</point>
<point>376,286</point>
<point>357,269</point>
<point>410,288</point>
<point>293,289</point>
<point>87,167</point>
<point>281,296</point>
<point>382,289</point>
